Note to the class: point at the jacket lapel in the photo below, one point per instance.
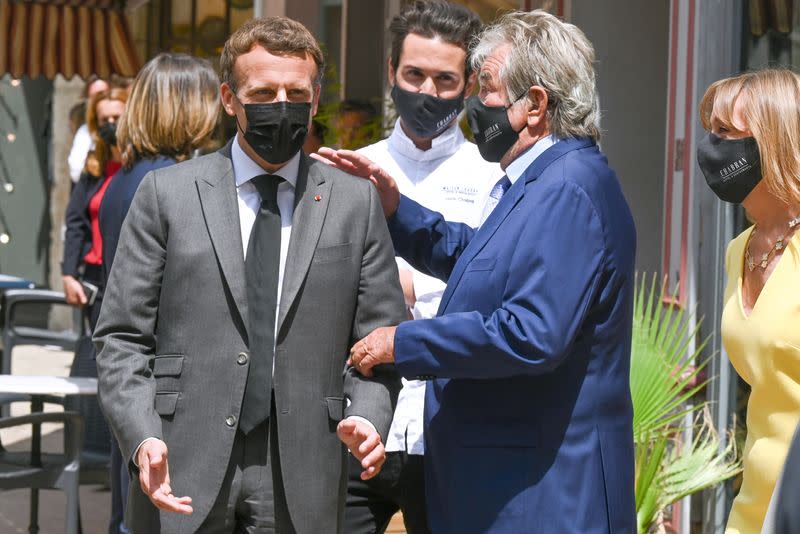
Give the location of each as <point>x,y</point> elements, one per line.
<point>221,212</point>
<point>504,209</point>
<point>309,214</point>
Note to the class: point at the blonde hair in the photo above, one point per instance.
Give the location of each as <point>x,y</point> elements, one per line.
<point>771,111</point>
<point>554,55</point>
<point>97,158</point>
<point>173,109</point>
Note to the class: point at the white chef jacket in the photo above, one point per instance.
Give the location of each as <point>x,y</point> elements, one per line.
<point>452,178</point>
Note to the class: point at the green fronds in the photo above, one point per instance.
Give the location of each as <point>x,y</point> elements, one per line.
<point>664,368</point>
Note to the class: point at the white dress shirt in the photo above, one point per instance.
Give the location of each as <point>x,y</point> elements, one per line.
<point>244,170</point>
<point>517,167</point>
<point>81,145</point>
<point>452,178</point>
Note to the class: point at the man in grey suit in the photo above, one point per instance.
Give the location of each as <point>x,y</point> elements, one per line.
<point>242,279</point>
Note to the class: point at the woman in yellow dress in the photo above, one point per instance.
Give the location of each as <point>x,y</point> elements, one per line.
<point>752,156</point>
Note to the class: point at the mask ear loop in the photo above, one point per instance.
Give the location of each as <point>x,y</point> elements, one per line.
<point>509,107</point>
<point>235,116</point>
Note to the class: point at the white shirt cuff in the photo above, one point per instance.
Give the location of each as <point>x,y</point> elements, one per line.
<point>136,452</point>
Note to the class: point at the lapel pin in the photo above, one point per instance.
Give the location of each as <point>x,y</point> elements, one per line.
<point>317,198</point>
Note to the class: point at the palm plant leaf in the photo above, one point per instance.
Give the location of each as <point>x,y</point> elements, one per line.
<point>661,370</point>
<point>664,370</point>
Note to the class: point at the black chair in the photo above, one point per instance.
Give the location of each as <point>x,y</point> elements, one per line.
<point>25,318</point>
<point>31,469</point>
<point>26,313</point>
<point>24,322</point>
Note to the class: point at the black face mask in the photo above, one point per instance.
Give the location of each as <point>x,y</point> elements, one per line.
<point>276,131</point>
<point>108,133</point>
<point>732,167</point>
<point>491,128</point>
<point>425,115</point>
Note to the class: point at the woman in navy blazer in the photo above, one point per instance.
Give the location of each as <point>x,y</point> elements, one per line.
<point>173,110</point>
<point>83,247</point>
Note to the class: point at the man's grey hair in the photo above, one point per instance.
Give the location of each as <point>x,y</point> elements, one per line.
<point>555,55</point>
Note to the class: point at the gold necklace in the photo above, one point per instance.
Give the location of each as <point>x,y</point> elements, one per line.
<point>780,244</point>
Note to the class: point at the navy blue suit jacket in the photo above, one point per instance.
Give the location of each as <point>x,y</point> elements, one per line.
<point>528,415</point>
<point>117,200</point>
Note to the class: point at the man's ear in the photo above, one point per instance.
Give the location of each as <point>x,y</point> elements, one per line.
<point>537,107</point>
<point>228,96</point>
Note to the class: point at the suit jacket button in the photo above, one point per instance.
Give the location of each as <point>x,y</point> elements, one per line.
<point>230,421</point>
<point>241,359</point>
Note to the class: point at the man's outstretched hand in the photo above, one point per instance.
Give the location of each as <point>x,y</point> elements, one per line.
<point>363,442</point>
<point>360,165</point>
<point>375,349</point>
<point>154,478</point>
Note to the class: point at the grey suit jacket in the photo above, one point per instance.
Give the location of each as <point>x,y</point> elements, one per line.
<point>173,325</point>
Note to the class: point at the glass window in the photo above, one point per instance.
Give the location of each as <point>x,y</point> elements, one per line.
<point>195,27</point>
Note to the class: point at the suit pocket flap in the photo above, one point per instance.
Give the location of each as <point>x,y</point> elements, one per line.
<point>166,403</point>
<point>168,365</point>
<point>333,253</point>
<point>335,408</point>
<point>482,264</point>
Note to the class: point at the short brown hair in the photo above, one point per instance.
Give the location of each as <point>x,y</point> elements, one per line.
<point>173,109</point>
<point>452,23</point>
<point>771,109</point>
<point>278,35</point>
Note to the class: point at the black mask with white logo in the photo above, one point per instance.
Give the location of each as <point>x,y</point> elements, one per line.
<point>276,131</point>
<point>732,167</point>
<point>426,115</point>
<point>493,132</point>
<point>108,133</point>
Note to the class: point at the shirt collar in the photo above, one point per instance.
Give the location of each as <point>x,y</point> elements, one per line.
<point>245,169</point>
<point>517,167</point>
<point>443,145</point>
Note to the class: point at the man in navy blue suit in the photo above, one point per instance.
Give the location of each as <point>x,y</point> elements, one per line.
<point>528,411</point>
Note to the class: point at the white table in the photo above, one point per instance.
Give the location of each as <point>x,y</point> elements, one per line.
<point>39,387</point>
<point>47,385</point>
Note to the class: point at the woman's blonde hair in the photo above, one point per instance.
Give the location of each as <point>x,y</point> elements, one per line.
<point>97,157</point>
<point>173,109</point>
<point>771,111</point>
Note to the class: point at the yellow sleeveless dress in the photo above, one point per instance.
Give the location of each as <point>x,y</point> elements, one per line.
<point>764,348</point>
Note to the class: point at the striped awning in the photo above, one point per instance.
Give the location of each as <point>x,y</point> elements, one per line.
<point>67,37</point>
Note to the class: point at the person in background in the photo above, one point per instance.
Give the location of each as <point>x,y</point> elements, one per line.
<point>82,266</point>
<point>528,411</point>
<point>82,142</point>
<point>750,157</point>
<point>426,153</point>
<point>315,138</point>
<point>83,247</point>
<point>356,123</point>
<point>172,112</point>
<point>173,109</point>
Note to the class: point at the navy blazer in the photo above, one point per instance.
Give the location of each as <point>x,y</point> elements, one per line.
<point>528,414</point>
<point>78,228</point>
<point>117,200</point>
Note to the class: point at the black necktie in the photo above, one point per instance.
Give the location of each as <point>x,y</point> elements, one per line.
<point>262,266</point>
